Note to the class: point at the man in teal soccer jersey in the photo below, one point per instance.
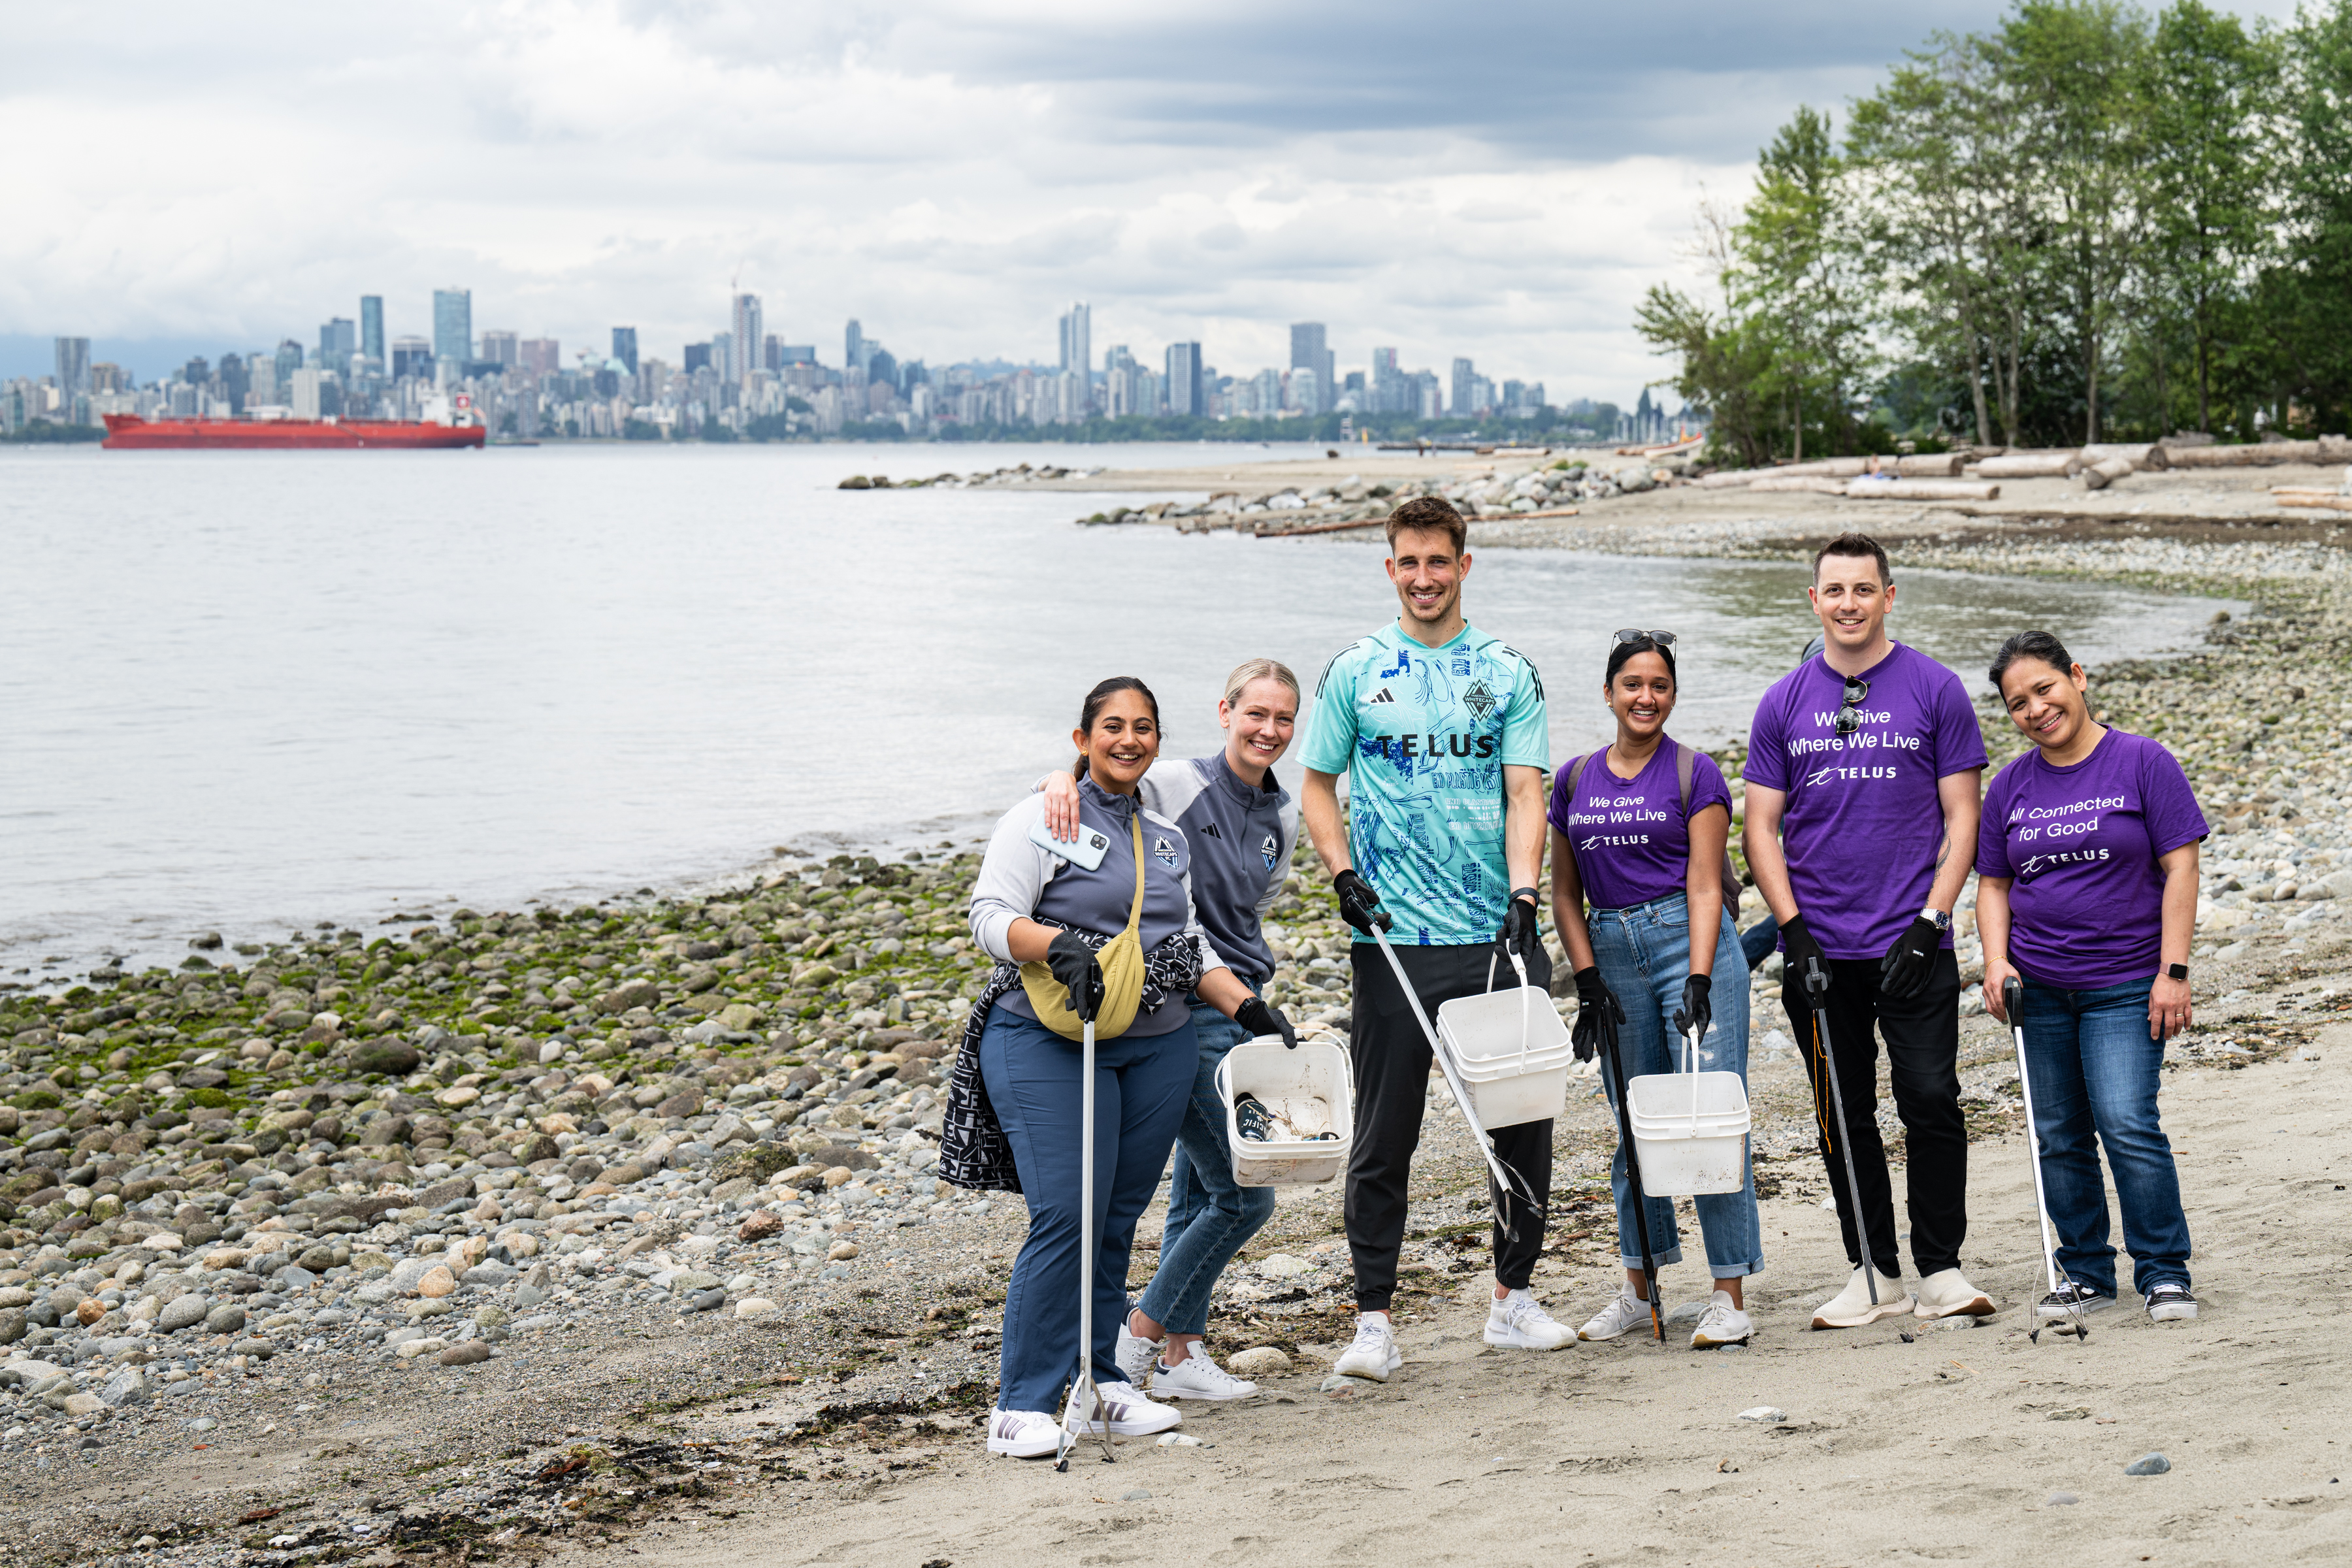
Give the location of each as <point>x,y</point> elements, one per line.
<point>1441,732</point>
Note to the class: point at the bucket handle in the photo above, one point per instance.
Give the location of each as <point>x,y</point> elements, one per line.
<point>1527,1017</point>
<point>1690,1066</point>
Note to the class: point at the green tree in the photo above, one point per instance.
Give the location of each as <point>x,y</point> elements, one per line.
<point>2306,300</point>
<point>2212,89</point>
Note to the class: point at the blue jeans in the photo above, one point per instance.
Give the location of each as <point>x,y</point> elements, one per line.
<point>1643,953</point>
<point>2095,1076</point>
<point>1209,1217</point>
<point>1034,1080</point>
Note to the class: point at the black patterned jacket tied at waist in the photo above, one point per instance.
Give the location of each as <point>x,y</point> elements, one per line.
<point>973,1150</point>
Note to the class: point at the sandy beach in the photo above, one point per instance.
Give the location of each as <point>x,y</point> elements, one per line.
<point>706,1302</point>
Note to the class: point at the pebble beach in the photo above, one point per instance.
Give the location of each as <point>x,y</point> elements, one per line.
<point>534,1233</point>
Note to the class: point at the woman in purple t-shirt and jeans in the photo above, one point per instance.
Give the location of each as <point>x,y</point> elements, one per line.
<point>1648,855</point>
<point>2086,892</point>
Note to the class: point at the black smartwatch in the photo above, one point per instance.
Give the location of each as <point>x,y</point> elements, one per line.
<point>2176,972</point>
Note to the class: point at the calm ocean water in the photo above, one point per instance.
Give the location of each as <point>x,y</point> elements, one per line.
<point>250,692</point>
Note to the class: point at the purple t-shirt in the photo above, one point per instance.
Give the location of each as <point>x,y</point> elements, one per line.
<point>1862,820</point>
<point>1631,837</point>
<point>2087,905</point>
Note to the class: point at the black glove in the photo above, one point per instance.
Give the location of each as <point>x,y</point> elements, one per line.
<point>1797,946</point>
<point>1259,1018</point>
<point>1519,934</point>
<point>1697,1010</point>
<point>1904,971</point>
<point>1075,965</point>
<point>1359,905</point>
<point>1593,1001</point>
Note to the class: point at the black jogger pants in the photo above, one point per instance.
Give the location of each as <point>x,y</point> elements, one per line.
<point>1923,1046</point>
<point>1391,1061</point>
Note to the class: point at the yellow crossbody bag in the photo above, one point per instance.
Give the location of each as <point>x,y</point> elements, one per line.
<point>1122,968</point>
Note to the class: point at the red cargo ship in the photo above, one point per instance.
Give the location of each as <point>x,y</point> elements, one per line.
<point>128,432</point>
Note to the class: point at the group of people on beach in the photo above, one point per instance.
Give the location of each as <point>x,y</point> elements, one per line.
<point>1862,804</point>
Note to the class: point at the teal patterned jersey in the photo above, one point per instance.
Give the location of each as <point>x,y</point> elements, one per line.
<point>1424,734</point>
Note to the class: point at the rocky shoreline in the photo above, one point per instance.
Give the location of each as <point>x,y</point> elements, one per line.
<point>520,1231</point>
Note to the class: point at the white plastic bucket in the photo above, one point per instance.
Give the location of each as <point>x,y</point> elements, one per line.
<point>1690,1131</point>
<point>1317,1070</point>
<point>1512,1052</point>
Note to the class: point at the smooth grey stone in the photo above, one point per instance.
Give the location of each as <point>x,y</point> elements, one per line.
<point>1138,1495</point>
<point>2148,1464</point>
<point>226,1319</point>
<point>705,1301</point>
<point>128,1386</point>
<point>182,1313</point>
<point>1687,1315</point>
<point>294,1277</point>
<point>2062,1499</point>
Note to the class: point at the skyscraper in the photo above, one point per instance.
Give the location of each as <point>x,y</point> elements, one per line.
<point>371,329</point>
<point>1463,395</point>
<point>744,329</point>
<point>1077,339</point>
<point>624,347</point>
<point>73,367</point>
<point>544,356</point>
<point>1307,353</point>
<point>501,348</point>
<point>337,340</point>
<point>453,325</point>
<point>1184,395</point>
<point>852,356</point>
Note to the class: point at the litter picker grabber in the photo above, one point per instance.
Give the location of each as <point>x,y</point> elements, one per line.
<point>1506,1181</point>
<point>1817,992</point>
<point>2012,1002</point>
<point>1609,1045</point>
<point>1085,1402</point>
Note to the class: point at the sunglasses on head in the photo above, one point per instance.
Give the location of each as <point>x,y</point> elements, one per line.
<point>1849,714</point>
<point>1631,634</point>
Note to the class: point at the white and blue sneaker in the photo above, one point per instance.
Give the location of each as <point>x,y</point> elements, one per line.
<point>1023,1434</point>
<point>1124,1412</point>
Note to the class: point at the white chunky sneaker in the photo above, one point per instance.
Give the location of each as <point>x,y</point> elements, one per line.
<point>1374,1354</point>
<point>1721,1324</point>
<point>1947,1294</point>
<point>1023,1434</point>
<point>1851,1308</point>
<point>1622,1315</point>
<point>1128,1412</point>
<point>1136,1355</point>
<point>1519,1322</point>
<point>1199,1377</point>
<point>2171,1302</point>
<point>2070,1299</point>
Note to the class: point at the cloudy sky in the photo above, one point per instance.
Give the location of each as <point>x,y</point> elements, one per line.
<point>1500,181</point>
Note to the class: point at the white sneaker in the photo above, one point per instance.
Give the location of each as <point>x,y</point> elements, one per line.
<point>1374,1354</point>
<point>1947,1294</point>
<point>1136,1355</point>
<point>1622,1315</point>
<point>1721,1324</point>
<point>2171,1302</point>
<point>1519,1322</point>
<point>1851,1308</point>
<point>1198,1377</point>
<point>1023,1434</point>
<point>1129,1414</point>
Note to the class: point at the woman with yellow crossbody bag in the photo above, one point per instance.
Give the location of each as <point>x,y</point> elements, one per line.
<point>1118,939</point>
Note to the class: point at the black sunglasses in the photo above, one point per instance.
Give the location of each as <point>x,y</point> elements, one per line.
<point>1631,634</point>
<point>1849,717</point>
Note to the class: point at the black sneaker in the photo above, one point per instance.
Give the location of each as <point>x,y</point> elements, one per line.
<point>2070,1299</point>
<point>2171,1302</point>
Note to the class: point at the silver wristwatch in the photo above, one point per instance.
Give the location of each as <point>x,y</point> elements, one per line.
<point>1943,921</point>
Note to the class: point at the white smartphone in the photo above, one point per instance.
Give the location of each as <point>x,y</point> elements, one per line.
<point>1087,852</point>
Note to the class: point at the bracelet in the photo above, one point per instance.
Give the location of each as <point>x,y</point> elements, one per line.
<point>1528,893</point>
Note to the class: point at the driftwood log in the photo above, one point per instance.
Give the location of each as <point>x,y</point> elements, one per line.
<point>2100,475</point>
<point>1921,489</point>
<point>2057,465</point>
<point>2145,455</point>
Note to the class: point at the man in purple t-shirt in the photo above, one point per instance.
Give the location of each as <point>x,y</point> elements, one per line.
<point>1862,776</point>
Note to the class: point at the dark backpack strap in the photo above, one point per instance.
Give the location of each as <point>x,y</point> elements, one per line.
<point>1684,761</point>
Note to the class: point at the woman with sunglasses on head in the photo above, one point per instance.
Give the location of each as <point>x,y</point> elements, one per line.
<point>2086,892</point>
<point>1638,830</point>
<point>1115,942</point>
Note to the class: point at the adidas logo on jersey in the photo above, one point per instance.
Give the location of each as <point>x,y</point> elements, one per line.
<point>1384,695</point>
<point>1210,829</point>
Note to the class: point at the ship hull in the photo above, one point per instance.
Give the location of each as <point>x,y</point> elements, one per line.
<point>126,432</point>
